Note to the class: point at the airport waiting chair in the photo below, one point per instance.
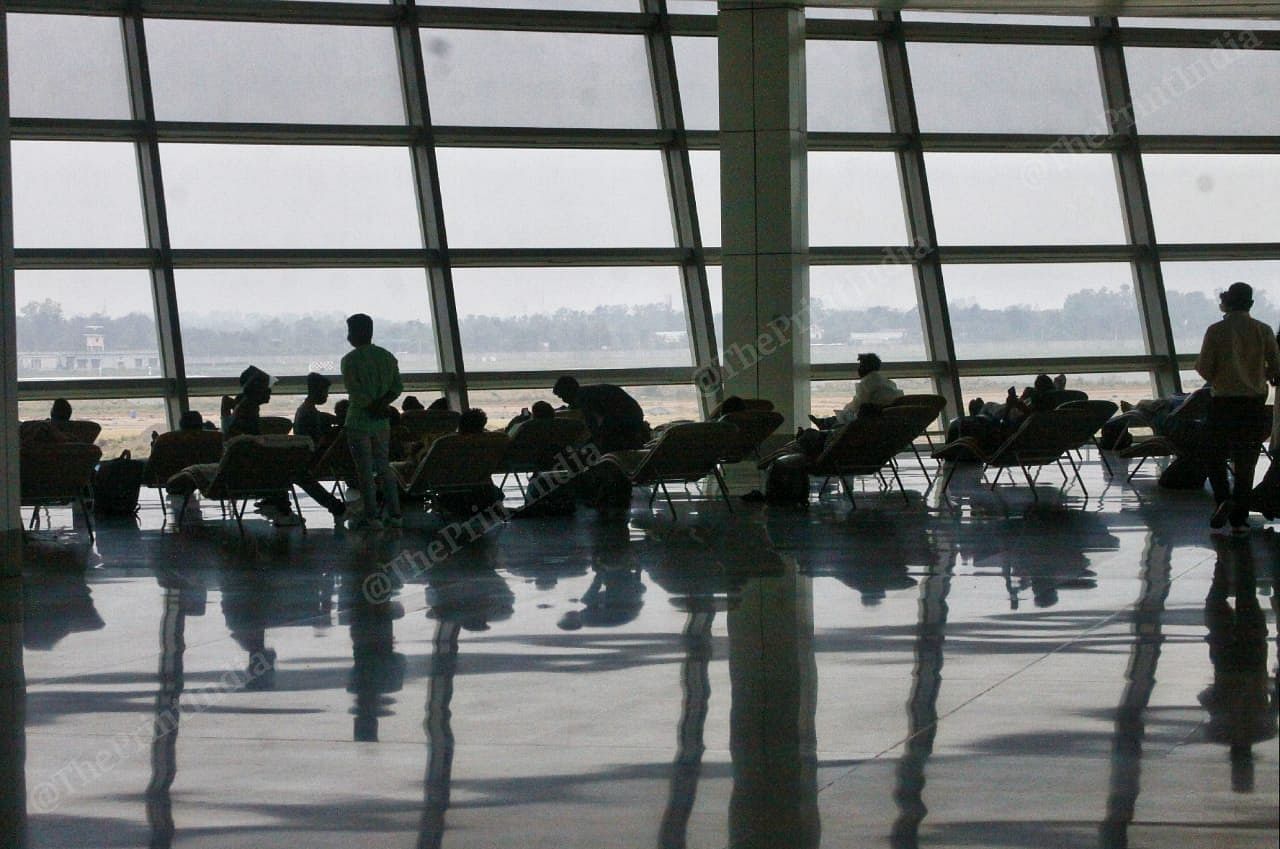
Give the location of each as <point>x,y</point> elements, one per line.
<point>275,426</point>
<point>426,426</point>
<point>1102,411</point>
<point>540,445</point>
<point>869,446</point>
<point>251,467</point>
<point>753,428</point>
<point>56,474</point>
<point>685,453</point>
<point>174,451</point>
<point>456,462</point>
<point>75,430</point>
<point>936,403</point>
<point>1043,438</point>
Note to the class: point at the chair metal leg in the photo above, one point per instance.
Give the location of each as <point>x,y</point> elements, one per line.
<point>653,495</point>
<point>239,514</point>
<point>1079,479</point>
<point>920,460</point>
<point>947,475</point>
<point>724,489</point>
<point>848,491</point>
<point>88,517</point>
<point>1106,464</point>
<point>1135,469</point>
<point>667,496</point>
<point>1031,483</point>
<point>996,479</point>
<point>164,506</point>
<point>182,511</point>
<point>901,488</point>
<point>298,508</point>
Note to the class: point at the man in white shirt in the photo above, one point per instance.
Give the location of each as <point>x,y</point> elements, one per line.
<point>1237,359</point>
<point>873,388</point>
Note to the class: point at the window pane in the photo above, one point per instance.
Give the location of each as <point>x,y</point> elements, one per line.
<point>855,199</point>
<point>293,321</point>
<point>85,324</point>
<point>537,79</point>
<point>127,423</point>
<point>989,88</point>
<point>845,86</point>
<point>66,66</point>
<point>265,196</point>
<point>1121,386</point>
<point>1047,310</point>
<point>1191,289</point>
<point>558,318</point>
<point>1214,198</point>
<point>572,5</point>
<point>554,198</point>
<point>705,166</point>
<point>845,14</point>
<point>1024,198</point>
<point>698,72</point>
<point>281,73</point>
<point>864,308</point>
<point>1204,23</point>
<point>76,195</point>
<point>1212,92</point>
<point>976,18</point>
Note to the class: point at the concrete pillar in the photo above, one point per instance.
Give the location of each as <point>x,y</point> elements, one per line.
<point>10,516</point>
<point>772,738</point>
<point>764,206</point>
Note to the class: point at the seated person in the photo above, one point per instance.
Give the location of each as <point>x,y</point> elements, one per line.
<point>873,390</point>
<point>311,421</point>
<point>190,422</point>
<point>60,411</point>
<point>1179,417</point>
<point>613,417</point>
<point>340,411</point>
<point>441,403</point>
<point>1034,399</point>
<point>472,421</point>
<point>539,410</point>
<point>470,500</point>
<point>242,415</point>
<point>410,403</point>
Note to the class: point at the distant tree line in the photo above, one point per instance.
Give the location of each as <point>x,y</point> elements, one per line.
<point>1088,315</point>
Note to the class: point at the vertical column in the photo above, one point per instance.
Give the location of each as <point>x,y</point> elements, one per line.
<point>163,290</point>
<point>930,291</point>
<point>10,515</point>
<point>1148,280</point>
<point>684,215</point>
<point>772,739</point>
<point>444,310</point>
<point>13,705</point>
<point>764,203</point>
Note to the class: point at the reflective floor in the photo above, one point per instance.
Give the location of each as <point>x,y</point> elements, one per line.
<point>979,671</point>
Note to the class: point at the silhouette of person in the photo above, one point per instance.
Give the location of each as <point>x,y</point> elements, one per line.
<point>613,417</point>
<point>372,378</point>
<point>60,410</point>
<point>1238,357</point>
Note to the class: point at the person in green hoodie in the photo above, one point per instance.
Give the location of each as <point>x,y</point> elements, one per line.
<point>372,378</point>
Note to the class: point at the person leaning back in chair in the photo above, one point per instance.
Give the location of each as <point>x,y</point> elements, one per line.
<point>873,391</point>
<point>614,418</point>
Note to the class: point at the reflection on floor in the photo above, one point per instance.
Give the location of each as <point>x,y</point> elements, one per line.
<point>984,671</point>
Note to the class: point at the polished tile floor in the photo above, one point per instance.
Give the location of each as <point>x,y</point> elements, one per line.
<point>983,671</point>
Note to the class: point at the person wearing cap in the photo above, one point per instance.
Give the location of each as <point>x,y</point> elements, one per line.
<point>873,389</point>
<point>1238,357</point>
<point>243,414</point>
<point>372,378</point>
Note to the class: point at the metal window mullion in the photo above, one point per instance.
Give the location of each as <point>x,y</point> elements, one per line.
<point>163,287</point>
<point>930,292</point>
<point>699,315</point>
<point>11,519</point>
<point>1153,307</point>
<point>444,309</point>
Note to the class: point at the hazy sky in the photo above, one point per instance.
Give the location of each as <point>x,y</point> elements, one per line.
<point>254,196</point>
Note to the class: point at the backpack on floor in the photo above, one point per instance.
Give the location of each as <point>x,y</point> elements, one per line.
<point>787,481</point>
<point>547,495</point>
<point>116,484</point>
<point>1184,472</point>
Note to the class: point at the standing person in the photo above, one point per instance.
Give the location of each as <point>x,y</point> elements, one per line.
<point>372,378</point>
<point>1237,359</point>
